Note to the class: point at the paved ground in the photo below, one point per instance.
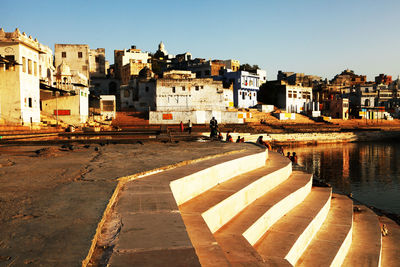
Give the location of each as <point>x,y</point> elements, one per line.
<point>51,200</point>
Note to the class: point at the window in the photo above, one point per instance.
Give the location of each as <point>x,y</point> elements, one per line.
<point>173,89</point>
<point>147,89</point>
<point>23,64</point>
<point>30,102</point>
<point>183,88</point>
<point>196,88</point>
<point>10,65</point>
<point>84,68</point>
<point>80,54</point>
<point>294,94</point>
<point>289,94</point>
<point>63,54</point>
<point>35,68</point>
<point>29,66</point>
<point>108,105</point>
<point>201,87</point>
<point>40,69</point>
<point>243,96</point>
<point>97,59</point>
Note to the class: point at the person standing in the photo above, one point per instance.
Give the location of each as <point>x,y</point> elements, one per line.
<point>213,127</point>
<point>190,127</point>
<point>181,125</point>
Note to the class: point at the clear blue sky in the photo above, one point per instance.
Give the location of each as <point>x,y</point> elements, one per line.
<point>320,37</point>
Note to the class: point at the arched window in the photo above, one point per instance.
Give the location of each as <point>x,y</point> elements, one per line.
<point>367,103</point>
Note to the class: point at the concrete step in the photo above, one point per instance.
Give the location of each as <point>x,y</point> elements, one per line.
<point>194,182</point>
<point>287,239</point>
<point>366,247</point>
<point>236,237</point>
<point>390,243</point>
<point>220,204</point>
<point>330,245</point>
<point>235,194</point>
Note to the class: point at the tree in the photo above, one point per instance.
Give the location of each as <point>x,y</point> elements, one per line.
<point>249,68</point>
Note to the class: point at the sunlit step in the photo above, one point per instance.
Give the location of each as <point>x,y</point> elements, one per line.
<point>287,239</point>
<point>390,243</point>
<point>330,245</point>
<point>259,216</point>
<point>276,170</point>
<point>367,242</point>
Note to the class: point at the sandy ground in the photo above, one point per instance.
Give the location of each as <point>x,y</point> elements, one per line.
<point>51,200</point>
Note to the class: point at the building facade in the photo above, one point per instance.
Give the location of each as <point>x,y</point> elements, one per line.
<point>19,77</point>
<point>178,91</point>
<point>289,98</point>
<point>128,56</point>
<point>245,87</point>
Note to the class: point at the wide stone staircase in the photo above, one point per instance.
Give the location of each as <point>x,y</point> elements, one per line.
<point>247,209</point>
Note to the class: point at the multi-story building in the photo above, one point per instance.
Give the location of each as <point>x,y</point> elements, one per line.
<point>97,63</point>
<point>290,98</point>
<point>132,69</point>
<point>176,91</point>
<point>46,66</point>
<point>348,79</point>
<point>80,58</point>
<point>301,79</point>
<point>339,108</point>
<point>19,77</point>
<point>245,87</point>
<point>232,64</point>
<point>201,67</point>
<point>180,96</point>
<point>383,79</point>
<point>69,102</point>
<point>129,56</point>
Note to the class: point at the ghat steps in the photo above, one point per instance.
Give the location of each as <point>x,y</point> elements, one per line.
<point>246,208</point>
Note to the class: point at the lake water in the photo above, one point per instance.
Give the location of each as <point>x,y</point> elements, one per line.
<point>370,171</point>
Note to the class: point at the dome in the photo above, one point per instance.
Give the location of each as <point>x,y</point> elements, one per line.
<point>63,69</point>
<point>161,48</point>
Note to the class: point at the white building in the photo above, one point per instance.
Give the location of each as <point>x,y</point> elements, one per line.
<point>291,98</point>
<point>19,77</point>
<point>180,96</point>
<point>177,91</point>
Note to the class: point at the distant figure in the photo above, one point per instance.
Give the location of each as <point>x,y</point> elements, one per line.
<point>240,140</point>
<point>181,125</point>
<point>213,127</point>
<point>220,136</point>
<point>262,142</point>
<point>288,155</point>
<point>190,127</point>
<point>229,138</point>
<point>293,158</point>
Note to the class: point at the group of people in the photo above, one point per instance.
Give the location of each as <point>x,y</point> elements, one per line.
<point>292,157</point>
<point>189,128</point>
<point>214,133</point>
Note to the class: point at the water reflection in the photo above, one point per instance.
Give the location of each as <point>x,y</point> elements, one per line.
<point>367,170</point>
